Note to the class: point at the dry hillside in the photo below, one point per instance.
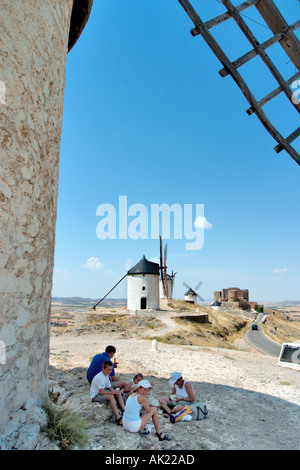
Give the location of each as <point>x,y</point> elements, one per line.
<point>225,328</point>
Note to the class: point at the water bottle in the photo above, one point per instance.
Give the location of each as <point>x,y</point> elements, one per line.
<point>147,428</point>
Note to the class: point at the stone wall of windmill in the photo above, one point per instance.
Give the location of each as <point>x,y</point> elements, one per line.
<point>35,38</point>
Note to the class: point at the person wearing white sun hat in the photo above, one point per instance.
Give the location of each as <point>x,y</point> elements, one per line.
<point>132,421</point>
<point>182,392</point>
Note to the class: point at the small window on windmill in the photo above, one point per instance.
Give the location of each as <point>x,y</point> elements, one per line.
<point>143,288</point>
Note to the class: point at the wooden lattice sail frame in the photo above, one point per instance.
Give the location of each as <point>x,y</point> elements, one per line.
<point>282,33</point>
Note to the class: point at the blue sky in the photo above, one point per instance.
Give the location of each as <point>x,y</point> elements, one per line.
<point>147,116</point>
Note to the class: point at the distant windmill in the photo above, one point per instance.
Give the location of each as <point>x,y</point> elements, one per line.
<point>166,279</point>
<point>191,295</point>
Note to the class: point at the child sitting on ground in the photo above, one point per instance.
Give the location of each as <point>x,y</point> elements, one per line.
<point>132,421</point>
<point>102,392</point>
<point>132,386</point>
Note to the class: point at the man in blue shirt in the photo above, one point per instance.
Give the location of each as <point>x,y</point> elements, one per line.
<point>96,367</point>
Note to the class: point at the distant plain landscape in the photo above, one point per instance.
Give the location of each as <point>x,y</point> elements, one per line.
<point>292,307</point>
<point>58,303</point>
<point>225,328</point>
<point>63,309</point>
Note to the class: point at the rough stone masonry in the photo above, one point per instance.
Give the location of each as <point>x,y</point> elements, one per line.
<point>34,42</point>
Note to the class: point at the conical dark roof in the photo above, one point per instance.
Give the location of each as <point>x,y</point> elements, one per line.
<point>190,292</point>
<point>144,267</point>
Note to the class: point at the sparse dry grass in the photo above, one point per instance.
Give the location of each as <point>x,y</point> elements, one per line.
<point>66,426</point>
<point>278,328</point>
<point>198,334</point>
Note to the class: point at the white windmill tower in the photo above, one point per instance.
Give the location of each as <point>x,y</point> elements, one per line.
<point>143,286</point>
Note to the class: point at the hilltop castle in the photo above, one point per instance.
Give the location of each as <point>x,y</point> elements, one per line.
<point>234,297</point>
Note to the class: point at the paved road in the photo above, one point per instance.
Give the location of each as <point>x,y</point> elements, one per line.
<point>258,340</point>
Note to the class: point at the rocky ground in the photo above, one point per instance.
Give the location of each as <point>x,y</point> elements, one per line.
<point>253,402</point>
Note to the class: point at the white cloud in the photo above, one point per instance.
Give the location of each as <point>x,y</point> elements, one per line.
<point>202,222</point>
<point>282,270</point>
<point>93,263</point>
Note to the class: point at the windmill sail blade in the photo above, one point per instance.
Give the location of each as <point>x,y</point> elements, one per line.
<point>198,285</point>
<point>164,282</point>
<point>186,285</point>
<point>201,298</point>
<point>172,284</point>
<point>196,288</point>
<point>165,272</point>
<point>160,257</point>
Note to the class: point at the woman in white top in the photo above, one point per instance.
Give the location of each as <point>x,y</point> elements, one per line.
<point>182,392</point>
<point>132,420</point>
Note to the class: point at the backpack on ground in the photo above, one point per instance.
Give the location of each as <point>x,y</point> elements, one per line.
<point>199,410</point>
<point>196,411</point>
